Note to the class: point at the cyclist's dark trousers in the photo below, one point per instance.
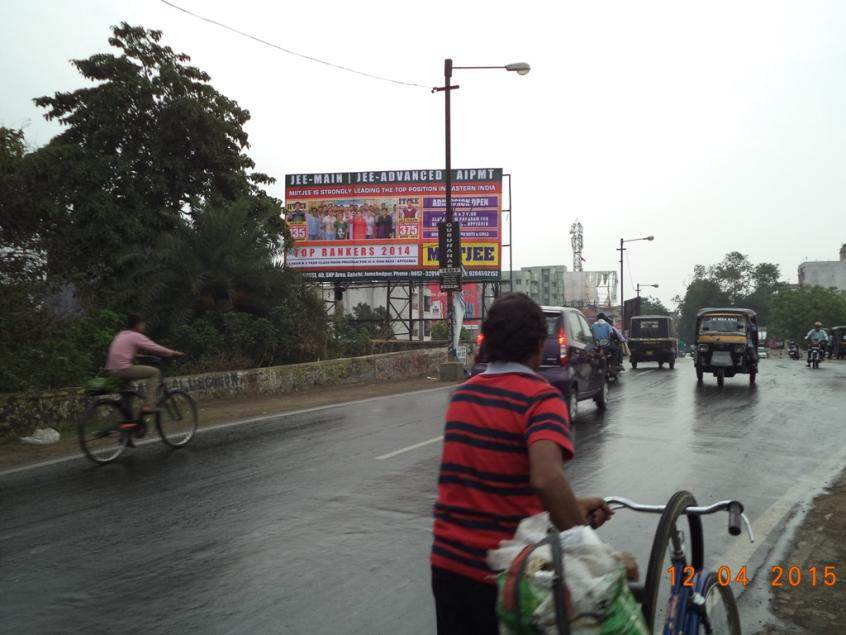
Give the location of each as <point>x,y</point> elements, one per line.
<point>150,375</point>
<point>463,606</point>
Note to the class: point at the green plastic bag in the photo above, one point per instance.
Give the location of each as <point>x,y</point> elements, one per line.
<point>624,616</point>
<point>102,385</point>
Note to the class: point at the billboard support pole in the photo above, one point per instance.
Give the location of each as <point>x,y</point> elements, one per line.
<point>510,241</point>
<point>410,310</point>
<point>451,353</point>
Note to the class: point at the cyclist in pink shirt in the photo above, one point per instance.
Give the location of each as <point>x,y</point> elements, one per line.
<point>126,345</point>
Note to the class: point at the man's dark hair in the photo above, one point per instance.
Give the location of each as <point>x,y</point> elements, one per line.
<point>513,329</point>
<point>601,316</point>
<point>133,320</point>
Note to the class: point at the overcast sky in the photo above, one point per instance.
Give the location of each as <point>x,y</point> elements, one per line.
<point>715,126</point>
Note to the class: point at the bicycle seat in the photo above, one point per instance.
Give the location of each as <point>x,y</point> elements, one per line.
<point>125,387</point>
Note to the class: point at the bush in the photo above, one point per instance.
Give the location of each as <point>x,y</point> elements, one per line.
<point>440,331</point>
<point>43,349</point>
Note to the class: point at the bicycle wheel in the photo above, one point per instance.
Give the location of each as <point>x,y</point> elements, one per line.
<point>657,588</point>
<point>177,419</point>
<point>720,609</point>
<point>100,434</point>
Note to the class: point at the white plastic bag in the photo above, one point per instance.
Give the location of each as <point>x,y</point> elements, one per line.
<point>42,436</point>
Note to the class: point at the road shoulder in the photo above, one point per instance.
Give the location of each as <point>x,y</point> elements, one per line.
<point>818,542</point>
<point>215,412</point>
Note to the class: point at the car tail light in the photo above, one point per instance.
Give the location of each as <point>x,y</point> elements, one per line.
<point>563,349</point>
<point>479,340</point>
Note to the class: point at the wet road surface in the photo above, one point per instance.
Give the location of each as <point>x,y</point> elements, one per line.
<point>319,522</point>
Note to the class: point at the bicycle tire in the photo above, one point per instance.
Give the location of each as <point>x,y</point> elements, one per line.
<point>107,416</point>
<point>729,622</point>
<point>170,412</point>
<point>655,571</point>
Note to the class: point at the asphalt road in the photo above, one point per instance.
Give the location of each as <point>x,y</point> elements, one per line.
<point>319,521</point>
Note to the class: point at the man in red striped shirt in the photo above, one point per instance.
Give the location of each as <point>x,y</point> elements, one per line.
<point>506,438</point>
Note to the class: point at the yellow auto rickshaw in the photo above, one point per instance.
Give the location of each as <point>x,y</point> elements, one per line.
<point>724,343</point>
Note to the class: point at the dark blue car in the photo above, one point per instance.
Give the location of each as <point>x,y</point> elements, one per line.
<point>571,358</point>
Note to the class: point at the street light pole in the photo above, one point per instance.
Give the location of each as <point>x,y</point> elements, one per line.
<point>520,68</point>
<point>621,249</point>
<point>654,286</point>
<point>622,290</point>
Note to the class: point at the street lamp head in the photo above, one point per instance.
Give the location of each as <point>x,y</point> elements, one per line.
<point>650,238</point>
<point>520,67</point>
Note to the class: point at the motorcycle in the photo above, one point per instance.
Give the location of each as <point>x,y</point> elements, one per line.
<point>816,353</point>
<point>612,370</point>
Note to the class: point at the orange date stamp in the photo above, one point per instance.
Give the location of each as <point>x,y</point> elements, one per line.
<point>781,576</point>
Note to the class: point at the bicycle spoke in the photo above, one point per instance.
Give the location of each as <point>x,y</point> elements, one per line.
<point>100,432</point>
<point>177,421</point>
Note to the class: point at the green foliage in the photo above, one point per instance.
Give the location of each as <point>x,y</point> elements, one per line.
<point>43,348</point>
<point>653,306</point>
<point>374,322</point>
<point>440,331</point>
<point>794,311</point>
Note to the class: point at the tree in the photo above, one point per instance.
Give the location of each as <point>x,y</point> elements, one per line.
<point>794,311</point>
<point>650,305</point>
<point>146,145</point>
<point>220,262</point>
<point>733,275</point>
<point>374,322</point>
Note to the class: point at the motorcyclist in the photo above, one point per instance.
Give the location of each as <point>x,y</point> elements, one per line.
<point>792,350</point>
<point>816,335</point>
<point>606,335</point>
<point>752,340</point>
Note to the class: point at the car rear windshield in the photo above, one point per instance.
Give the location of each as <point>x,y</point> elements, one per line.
<point>552,324</point>
<point>650,328</point>
<point>723,324</point>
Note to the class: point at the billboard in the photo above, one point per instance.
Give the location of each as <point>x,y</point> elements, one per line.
<point>384,225</point>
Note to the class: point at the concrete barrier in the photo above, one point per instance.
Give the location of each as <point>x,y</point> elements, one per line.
<point>20,413</point>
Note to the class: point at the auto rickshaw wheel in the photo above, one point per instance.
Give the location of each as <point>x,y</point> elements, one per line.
<point>752,373</point>
<point>634,365</point>
<point>660,364</point>
<point>721,378</point>
<point>672,364</point>
<point>699,373</point>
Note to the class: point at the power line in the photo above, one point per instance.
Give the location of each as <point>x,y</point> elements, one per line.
<point>289,51</point>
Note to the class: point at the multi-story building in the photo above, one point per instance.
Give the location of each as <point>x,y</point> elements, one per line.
<point>825,273</point>
<point>545,285</point>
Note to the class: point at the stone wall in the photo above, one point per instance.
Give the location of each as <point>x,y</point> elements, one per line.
<point>22,412</point>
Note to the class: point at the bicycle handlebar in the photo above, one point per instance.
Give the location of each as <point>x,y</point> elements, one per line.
<point>733,507</point>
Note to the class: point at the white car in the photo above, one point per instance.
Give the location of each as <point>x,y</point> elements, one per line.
<point>762,352</point>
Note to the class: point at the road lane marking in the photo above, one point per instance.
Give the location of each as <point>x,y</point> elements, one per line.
<point>410,448</point>
<point>229,424</point>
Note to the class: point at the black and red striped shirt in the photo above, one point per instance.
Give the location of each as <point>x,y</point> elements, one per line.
<point>484,489</point>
